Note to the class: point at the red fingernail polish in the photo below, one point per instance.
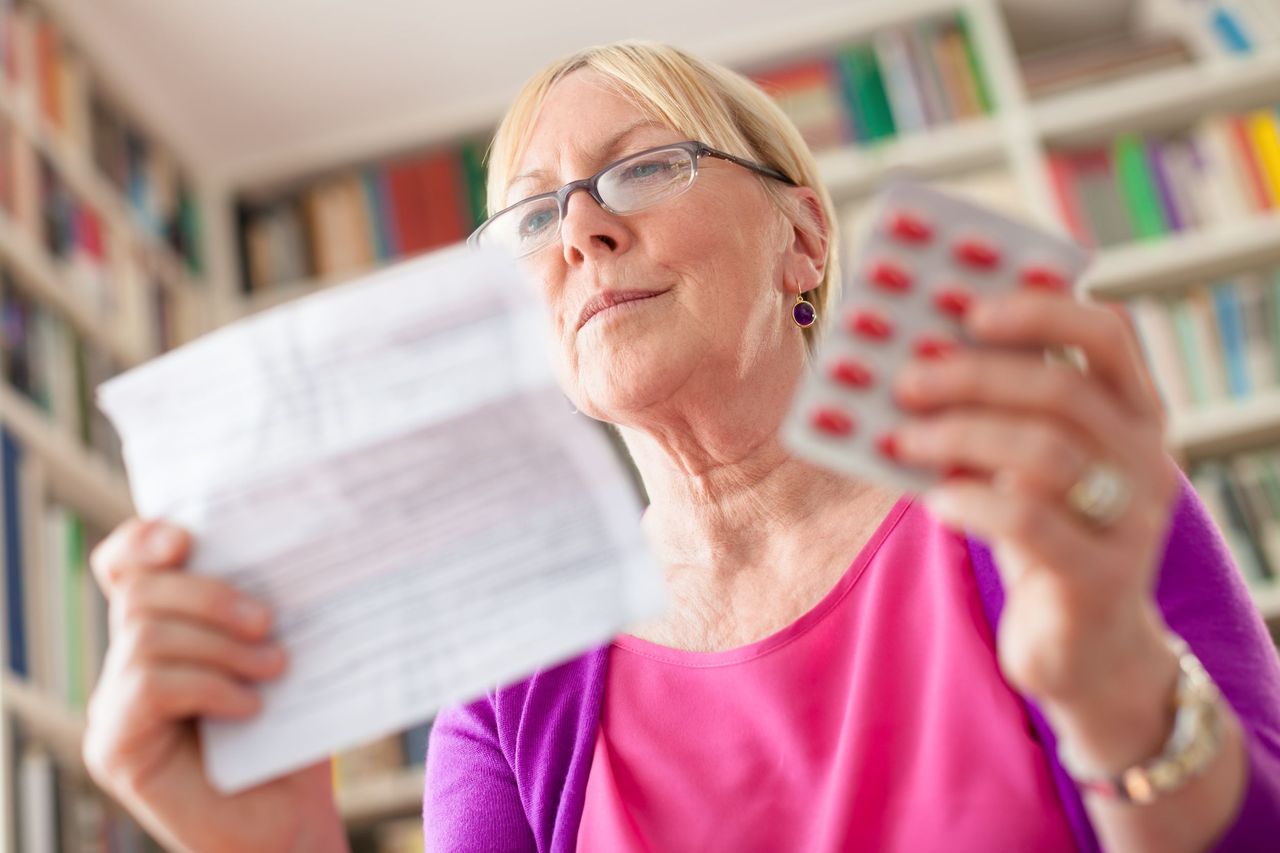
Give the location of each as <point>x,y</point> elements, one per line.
<point>887,444</point>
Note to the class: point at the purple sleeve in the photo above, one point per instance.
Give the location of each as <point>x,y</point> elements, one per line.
<point>470,800</point>
<point>1205,600</point>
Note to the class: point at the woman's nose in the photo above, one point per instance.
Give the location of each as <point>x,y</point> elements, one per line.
<point>588,229</point>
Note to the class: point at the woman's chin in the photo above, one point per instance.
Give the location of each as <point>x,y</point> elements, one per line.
<point>631,379</point>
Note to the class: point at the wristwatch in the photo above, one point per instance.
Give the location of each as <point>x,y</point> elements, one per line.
<point>1195,740</point>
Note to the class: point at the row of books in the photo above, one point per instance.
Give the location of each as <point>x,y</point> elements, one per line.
<point>56,617</point>
<point>45,211</point>
<point>1073,65</point>
<point>115,280</point>
<point>1144,186</point>
<point>1212,344</point>
<point>399,835</point>
<point>907,78</point>
<point>382,757</point>
<point>49,79</point>
<point>356,220</point>
<point>42,358</point>
<point>1242,494</point>
<point>60,811</point>
<point>1236,26</point>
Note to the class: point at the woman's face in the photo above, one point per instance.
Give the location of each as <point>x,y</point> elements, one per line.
<point>710,264</point>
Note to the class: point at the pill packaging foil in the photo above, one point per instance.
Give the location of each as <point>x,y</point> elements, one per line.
<point>919,261</point>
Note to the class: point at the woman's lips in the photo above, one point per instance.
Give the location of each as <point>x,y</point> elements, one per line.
<point>609,298</point>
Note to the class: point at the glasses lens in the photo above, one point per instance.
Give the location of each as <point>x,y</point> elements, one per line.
<point>646,179</point>
<point>525,228</point>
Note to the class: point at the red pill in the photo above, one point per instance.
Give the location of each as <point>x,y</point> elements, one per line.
<point>910,228</point>
<point>887,444</point>
<point>868,324</point>
<point>890,277</point>
<point>851,373</point>
<point>933,346</point>
<point>978,254</point>
<point>960,472</point>
<point>832,421</point>
<point>953,301</point>
<point>1044,278</point>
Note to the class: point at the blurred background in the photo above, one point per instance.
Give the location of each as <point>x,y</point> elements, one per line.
<point>166,168</point>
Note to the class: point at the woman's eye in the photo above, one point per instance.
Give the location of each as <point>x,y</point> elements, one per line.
<point>641,171</point>
<point>534,222</point>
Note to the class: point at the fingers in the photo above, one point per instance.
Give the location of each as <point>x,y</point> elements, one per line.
<point>1033,530</point>
<point>204,600</point>
<point>1037,318</point>
<point>161,643</point>
<point>1038,455</point>
<point>135,547</point>
<point>1022,383</point>
<point>173,691</point>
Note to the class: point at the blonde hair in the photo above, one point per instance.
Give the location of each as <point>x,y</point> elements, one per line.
<point>703,100</point>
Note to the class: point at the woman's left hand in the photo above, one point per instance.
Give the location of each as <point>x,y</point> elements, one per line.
<point>1079,615</point>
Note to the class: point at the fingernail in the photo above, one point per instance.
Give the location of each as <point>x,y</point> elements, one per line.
<point>162,542</point>
<point>251,613</point>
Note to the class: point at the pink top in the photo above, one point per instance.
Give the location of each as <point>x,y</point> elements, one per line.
<point>877,721</point>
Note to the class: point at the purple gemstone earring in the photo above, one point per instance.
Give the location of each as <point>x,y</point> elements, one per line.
<point>803,312</point>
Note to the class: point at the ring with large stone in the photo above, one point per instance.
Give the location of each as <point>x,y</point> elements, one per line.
<point>1101,495</point>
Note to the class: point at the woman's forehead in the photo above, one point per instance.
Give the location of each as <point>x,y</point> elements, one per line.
<point>589,144</point>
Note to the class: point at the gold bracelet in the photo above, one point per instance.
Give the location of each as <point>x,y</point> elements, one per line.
<point>1195,740</point>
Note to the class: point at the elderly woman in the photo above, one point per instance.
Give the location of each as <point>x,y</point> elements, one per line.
<point>842,666</point>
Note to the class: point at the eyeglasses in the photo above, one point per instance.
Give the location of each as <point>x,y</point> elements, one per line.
<point>625,186</point>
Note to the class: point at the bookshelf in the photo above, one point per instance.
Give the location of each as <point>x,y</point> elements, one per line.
<point>1015,138</point>
<point>101,260</point>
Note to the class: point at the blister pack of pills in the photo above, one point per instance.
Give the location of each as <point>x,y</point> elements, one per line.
<point>918,266</point>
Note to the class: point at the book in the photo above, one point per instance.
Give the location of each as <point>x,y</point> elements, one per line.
<point>1206,344</point>
<point>1111,56</point>
<point>1264,136</point>
<point>1251,167</point>
<point>1254,297</point>
<point>903,88</point>
<point>1231,333</point>
<point>15,608</point>
<point>1138,189</point>
<point>809,93</point>
<point>865,92</point>
<point>1153,320</point>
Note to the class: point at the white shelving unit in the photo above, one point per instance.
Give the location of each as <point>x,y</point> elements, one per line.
<point>1015,138</point>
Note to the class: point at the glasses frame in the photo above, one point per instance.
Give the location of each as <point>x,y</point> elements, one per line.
<point>696,150</point>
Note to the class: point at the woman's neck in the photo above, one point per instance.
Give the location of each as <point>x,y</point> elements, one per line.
<point>749,538</point>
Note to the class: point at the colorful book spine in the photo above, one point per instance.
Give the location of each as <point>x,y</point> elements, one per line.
<point>1140,195</point>
<point>1264,134</point>
<point>865,92</point>
<point>1231,332</point>
<point>15,607</point>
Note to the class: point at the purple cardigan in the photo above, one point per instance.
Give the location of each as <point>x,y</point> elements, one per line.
<point>509,771</point>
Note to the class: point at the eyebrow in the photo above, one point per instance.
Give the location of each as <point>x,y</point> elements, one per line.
<point>610,148</point>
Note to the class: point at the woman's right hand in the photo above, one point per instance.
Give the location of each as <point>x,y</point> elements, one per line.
<point>183,646</point>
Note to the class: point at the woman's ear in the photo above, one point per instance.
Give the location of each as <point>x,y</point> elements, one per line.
<point>806,254</point>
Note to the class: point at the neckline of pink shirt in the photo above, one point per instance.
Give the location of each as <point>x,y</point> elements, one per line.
<point>783,636</point>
